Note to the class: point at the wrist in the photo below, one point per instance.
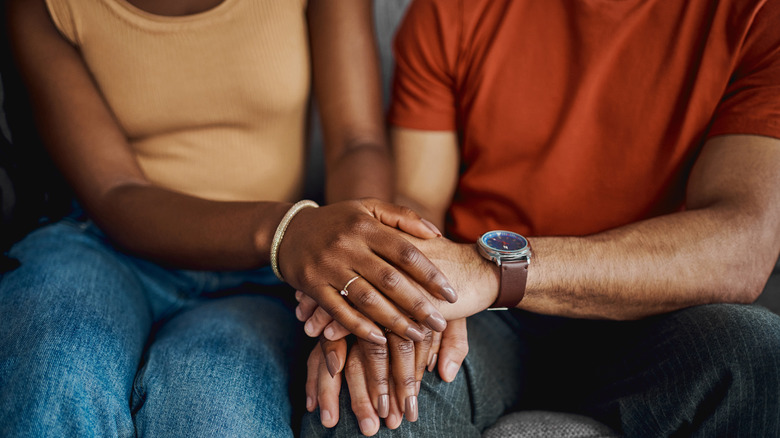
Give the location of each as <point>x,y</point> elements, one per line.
<point>476,282</point>
<point>281,231</point>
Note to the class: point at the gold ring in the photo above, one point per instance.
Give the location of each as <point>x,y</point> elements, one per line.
<point>344,292</point>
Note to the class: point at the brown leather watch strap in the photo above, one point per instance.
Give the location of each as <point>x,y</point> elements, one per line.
<point>512,286</point>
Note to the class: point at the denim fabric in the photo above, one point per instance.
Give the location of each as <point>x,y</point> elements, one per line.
<point>706,371</point>
<point>94,342</point>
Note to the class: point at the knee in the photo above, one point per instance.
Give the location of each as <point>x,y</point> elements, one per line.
<point>740,344</point>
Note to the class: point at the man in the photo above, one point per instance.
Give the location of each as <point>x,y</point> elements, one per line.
<point>635,145</point>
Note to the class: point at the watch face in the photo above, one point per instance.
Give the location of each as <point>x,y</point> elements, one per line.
<point>504,241</point>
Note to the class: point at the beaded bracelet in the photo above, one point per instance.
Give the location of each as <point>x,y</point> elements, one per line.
<point>279,234</point>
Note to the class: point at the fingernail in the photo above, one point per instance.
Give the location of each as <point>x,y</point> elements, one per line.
<point>329,333</point>
<point>436,322</point>
<point>414,334</point>
<point>309,328</point>
<point>298,295</point>
<point>333,363</point>
<point>325,416</point>
<point>299,313</point>
<point>450,371</point>
<point>309,403</point>
<point>377,338</point>
<point>449,294</point>
<point>384,406</point>
<point>431,226</point>
<point>411,408</point>
<point>366,426</point>
<point>419,383</point>
<point>432,362</point>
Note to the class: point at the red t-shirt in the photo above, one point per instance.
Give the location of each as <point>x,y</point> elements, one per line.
<point>580,116</point>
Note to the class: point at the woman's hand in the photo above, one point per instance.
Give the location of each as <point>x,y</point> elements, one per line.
<point>361,243</point>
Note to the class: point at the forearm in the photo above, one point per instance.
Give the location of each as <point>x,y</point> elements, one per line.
<point>361,171</point>
<point>712,255</point>
<point>188,232</point>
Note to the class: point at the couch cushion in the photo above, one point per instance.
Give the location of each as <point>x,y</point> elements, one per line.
<point>547,424</point>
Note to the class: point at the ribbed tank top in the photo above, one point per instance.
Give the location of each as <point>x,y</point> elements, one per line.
<point>213,104</point>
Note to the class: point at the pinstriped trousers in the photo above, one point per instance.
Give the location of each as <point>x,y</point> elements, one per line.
<point>707,371</point>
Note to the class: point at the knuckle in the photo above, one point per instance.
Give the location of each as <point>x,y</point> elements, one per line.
<point>368,299</point>
<point>409,381</point>
<point>363,224</point>
<point>428,341</point>
<point>338,312</point>
<point>376,352</point>
<point>405,348</point>
<point>419,306</point>
<point>381,380</point>
<point>406,211</point>
<point>353,366</point>
<point>389,279</point>
<point>462,346</point>
<point>361,404</point>
<point>398,323</point>
<point>410,255</point>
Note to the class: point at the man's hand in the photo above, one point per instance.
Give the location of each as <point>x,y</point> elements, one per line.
<point>383,380</point>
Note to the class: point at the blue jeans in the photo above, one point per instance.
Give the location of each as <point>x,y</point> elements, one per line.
<point>706,371</point>
<point>95,342</point>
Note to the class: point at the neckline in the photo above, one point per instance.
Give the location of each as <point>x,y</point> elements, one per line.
<point>139,13</point>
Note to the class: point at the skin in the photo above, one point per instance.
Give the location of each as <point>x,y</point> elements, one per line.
<point>720,249</point>
<point>185,231</point>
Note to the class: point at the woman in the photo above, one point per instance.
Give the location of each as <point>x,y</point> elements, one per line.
<point>180,127</point>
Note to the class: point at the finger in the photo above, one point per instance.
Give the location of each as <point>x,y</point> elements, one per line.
<point>335,353</point>
<point>354,321</point>
<point>328,389</point>
<point>313,377</point>
<point>395,417</point>
<point>421,350</point>
<point>376,361</point>
<point>306,306</point>
<point>403,218</point>
<point>317,322</point>
<point>334,331</point>
<point>402,363</point>
<point>400,252</point>
<point>433,353</point>
<point>376,306</point>
<point>367,417</point>
<point>454,348</point>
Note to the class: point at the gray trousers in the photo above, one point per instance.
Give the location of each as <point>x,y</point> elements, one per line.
<point>709,371</point>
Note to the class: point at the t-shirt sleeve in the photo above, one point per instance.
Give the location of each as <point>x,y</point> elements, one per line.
<point>426,53</point>
<point>751,103</point>
<point>62,17</point>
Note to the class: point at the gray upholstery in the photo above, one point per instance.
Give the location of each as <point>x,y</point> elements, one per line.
<point>531,424</point>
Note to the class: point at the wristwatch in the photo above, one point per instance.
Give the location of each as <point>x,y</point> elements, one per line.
<point>512,253</point>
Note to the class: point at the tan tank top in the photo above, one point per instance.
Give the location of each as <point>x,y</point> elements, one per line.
<point>213,104</point>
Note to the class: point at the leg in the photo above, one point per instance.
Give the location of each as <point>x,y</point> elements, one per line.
<point>705,371</point>
<point>490,382</point>
<point>74,323</point>
<point>219,368</point>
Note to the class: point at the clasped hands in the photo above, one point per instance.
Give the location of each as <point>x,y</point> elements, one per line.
<point>398,306</point>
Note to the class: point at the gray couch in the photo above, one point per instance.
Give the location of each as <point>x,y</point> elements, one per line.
<point>518,424</point>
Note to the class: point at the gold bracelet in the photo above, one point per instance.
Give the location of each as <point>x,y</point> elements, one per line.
<point>279,234</point>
